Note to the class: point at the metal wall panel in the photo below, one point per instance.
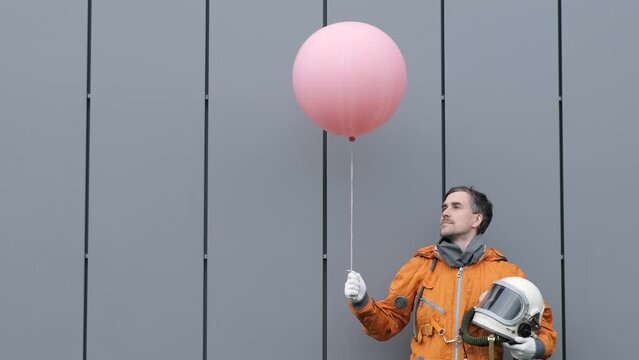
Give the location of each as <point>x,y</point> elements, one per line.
<point>147,170</point>
<point>397,178</point>
<point>601,173</point>
<point>502,127</point>
<point>265,188</point>
<point>42,133</point>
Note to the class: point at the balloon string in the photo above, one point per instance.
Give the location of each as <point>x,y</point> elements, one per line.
<point>352,206</point>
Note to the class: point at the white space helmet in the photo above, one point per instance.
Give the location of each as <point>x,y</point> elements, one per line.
<point>511,307</point>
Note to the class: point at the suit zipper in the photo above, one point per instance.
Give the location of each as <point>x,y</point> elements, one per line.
<point>457,305</point>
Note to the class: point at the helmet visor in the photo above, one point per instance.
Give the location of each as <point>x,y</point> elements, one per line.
<point>503,302</point>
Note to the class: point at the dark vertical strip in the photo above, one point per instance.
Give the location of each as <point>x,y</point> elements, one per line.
<point>86,186</point>
<point>325,15</point>
<point>325,223</point>
<point>443,99</point>
<point>561,180</point>
<point>206,187</point>
<point>325,246</point>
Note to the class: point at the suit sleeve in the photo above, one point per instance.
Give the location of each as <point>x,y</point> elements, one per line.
<point>547,333</point>
<point>385,318</point>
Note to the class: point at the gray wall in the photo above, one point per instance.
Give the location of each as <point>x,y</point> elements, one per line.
<point>265,187</point>
<point>146,184</point>
<point>42,139</point>
<point>600,126</point>
<point>502,129</point>
<point>204,216</point>
<point>397,178</point>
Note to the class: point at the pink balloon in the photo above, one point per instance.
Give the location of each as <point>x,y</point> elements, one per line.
<point>349,78</point>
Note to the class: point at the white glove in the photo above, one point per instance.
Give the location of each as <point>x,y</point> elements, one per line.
<point>355,288</point>
<point>524,350</point>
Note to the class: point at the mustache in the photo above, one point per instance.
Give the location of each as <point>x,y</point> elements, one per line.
<point>446,222</point>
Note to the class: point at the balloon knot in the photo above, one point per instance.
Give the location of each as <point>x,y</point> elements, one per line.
<point>351,138</point>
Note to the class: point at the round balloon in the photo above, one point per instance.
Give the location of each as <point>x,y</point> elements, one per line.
<point>349,78</point>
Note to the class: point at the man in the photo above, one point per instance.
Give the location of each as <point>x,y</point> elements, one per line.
<point>441,282</point>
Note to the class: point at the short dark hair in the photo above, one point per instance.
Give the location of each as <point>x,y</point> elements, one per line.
<point>480,205</point>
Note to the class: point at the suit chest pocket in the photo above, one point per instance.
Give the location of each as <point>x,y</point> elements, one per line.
<point>430,313</point>
<point>431,299</point>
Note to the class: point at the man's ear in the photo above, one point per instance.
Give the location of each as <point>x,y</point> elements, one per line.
<point>478,219</point>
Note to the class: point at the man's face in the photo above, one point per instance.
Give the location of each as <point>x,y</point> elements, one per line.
<point>457,218</point>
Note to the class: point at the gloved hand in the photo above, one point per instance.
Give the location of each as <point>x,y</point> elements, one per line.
<point>524,349</point>
<point>355,288</point>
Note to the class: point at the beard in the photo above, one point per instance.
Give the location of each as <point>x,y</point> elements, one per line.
<point>446,229</point>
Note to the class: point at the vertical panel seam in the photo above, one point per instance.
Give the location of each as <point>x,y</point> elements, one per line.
<point>325,245</point>
<point>206,187</point>
<point>86,184</point>
<point>443,96</point>
<point>324,221</point>
<point>561,175</point>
